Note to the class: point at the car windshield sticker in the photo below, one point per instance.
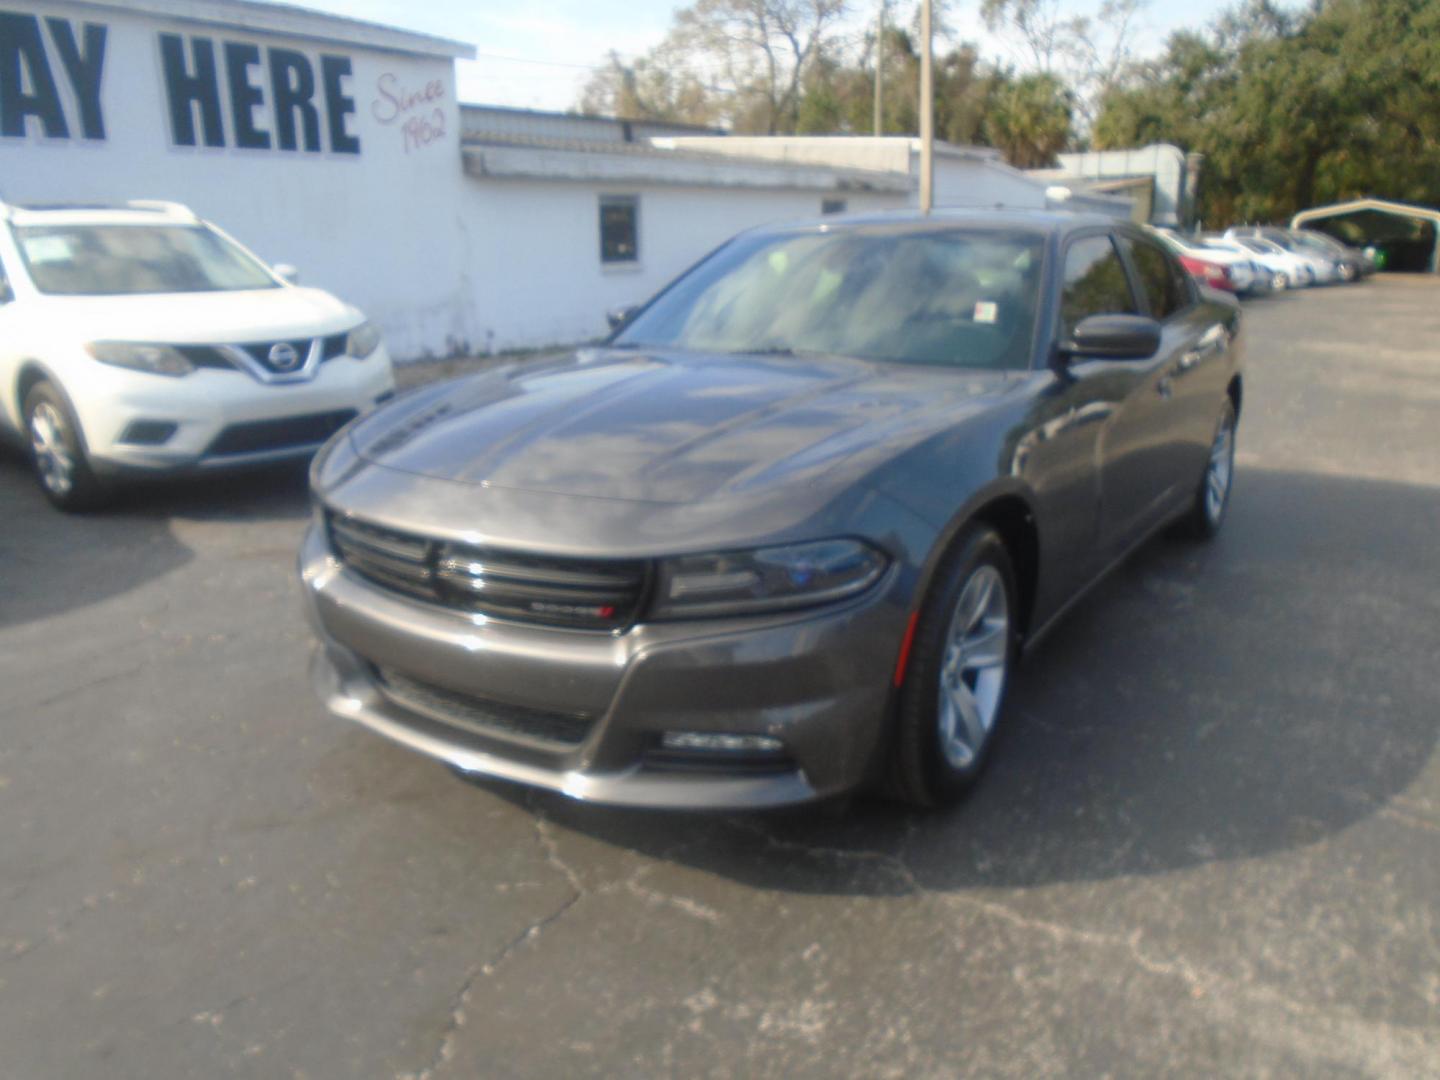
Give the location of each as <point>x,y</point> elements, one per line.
<point>43,249</point>
<point>986,311</point>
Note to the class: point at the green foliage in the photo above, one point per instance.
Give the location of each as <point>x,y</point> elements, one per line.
<point>1293,110</point>
<point>1029,120</point>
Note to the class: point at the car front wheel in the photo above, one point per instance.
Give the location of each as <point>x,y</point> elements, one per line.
<point>57,451</point>
<point>954,685</point>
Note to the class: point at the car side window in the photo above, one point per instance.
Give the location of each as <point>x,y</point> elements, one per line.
<point>6,294</point>
<point>1163,280</point>
<point>1095,282</point>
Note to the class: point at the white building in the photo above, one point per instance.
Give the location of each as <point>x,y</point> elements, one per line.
<point>322,142</point>
<point>338,146</point>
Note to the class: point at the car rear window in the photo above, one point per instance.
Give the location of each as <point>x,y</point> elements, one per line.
<point>1165,283</point>
<point>950,297</point>
<point>1095,282</point>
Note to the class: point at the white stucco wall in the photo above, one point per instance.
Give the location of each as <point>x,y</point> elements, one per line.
<point>539,269</point>
<point>978,183</point>
<point>378,227</point>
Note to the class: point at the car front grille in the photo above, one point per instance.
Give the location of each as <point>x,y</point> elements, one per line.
<point>285,433</point>
<point>592,594</point>
<point>260,353</point>
<point>550,730</point>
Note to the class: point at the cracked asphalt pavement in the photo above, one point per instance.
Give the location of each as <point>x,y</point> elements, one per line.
<point>1209,843</point>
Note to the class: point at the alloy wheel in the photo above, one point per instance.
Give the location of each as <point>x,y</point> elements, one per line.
<point>1221,468</point>
<point>974,665</point>
<point>53,460</point>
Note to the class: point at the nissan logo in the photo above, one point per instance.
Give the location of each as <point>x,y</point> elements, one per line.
<point>284,357</point>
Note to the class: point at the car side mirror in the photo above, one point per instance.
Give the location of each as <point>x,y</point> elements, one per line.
<point>287,273</point>
<point>1113,337</point>
<point>618,317</point>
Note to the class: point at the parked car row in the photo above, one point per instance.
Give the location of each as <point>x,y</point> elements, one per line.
<point>1252,260</point>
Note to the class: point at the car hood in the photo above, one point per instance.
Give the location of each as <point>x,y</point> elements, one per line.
<point>665,427</point>
<point>240,316</point>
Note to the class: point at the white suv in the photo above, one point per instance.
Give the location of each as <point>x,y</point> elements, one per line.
<point>142,340</point>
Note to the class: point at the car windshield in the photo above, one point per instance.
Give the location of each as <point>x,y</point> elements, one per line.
<point>950,297</point>
<point>1321,243</point>
<point>115,260</point>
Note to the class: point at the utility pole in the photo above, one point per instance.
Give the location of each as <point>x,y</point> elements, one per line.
<point>880,72</point>
<point>927,111</point>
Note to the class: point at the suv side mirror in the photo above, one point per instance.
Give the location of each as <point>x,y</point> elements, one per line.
<point>1113,337</point>
<point>618,317</point>
<point>287,273</point>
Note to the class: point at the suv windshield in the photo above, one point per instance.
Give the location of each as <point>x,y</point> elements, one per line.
<point>114,260</point>
<point>961,298</point>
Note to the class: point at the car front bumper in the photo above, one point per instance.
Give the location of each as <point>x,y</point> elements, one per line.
<point>818,682</point>
<point>208,406</point>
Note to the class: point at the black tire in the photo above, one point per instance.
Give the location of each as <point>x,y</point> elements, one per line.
<point>921,772</point>
<point>1205,518</point>
<point>78,488</point>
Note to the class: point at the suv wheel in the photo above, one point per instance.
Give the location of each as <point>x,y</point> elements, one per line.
<point>61,465</point>
<point>959,668</point>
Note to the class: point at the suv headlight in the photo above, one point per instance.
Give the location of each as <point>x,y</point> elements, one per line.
<point>770,579</point>
<point>156,359</point>
<point>362,341</point>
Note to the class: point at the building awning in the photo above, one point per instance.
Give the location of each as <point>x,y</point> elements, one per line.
<point>642,163</point>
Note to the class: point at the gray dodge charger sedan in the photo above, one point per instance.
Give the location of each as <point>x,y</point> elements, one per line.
<point>784,533</point>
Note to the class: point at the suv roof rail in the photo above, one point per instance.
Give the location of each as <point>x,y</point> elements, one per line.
<point>161,206</point>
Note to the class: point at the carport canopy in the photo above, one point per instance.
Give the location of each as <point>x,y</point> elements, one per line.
<point>1362,221</point>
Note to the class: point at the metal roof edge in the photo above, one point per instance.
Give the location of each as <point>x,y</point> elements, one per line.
<point>291,20</point>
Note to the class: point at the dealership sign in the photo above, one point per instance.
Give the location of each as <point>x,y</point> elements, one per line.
<point>302,101</point>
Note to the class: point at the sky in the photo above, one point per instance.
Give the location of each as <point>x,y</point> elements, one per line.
<point>538,56</point>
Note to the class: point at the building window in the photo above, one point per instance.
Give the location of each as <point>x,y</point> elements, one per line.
<point>832,206</point>
<point>619,229</point>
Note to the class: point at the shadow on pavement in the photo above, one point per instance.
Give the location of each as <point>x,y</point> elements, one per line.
<point>52,562</point>
<point>1206,703</point>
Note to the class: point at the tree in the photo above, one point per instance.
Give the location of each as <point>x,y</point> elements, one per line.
<point>1089,54</point>
<point>1031,119</point>
<point>1292,108</point>
<point>748,60</point>
<point>654,87</point>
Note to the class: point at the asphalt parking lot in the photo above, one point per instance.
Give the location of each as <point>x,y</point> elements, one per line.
<point>1209,843</point>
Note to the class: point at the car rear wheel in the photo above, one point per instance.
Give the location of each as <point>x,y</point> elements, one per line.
<point>953,692</point>
<point>1212,500</point>
<point>58,452</point>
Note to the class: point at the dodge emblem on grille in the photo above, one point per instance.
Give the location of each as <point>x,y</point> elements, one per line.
<point>283,356</point>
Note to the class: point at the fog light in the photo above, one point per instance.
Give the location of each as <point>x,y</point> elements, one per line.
<point>706,741</point>
<point>148,432</point>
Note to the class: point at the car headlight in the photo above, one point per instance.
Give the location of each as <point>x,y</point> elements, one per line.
<point>156,359</point>
<point>362,341</point>
<point>770,579</point>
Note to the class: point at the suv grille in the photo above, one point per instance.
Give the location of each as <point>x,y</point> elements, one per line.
<point>260,353</point>
<point>594,594</point>
<point>550,729</point>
